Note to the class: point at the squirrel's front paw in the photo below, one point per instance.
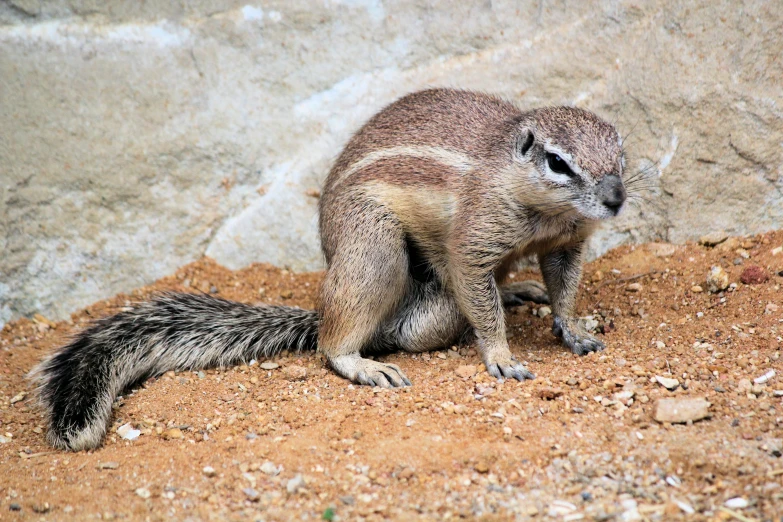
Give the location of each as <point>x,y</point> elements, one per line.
<point>573,336</point>
<point>501,363</point>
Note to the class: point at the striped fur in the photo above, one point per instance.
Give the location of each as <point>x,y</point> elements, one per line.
<point>78,385</point>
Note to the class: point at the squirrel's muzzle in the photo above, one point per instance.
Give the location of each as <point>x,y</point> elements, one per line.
<point>611,192</point>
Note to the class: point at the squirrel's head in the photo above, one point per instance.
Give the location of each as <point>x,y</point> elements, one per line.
<point>576,160</point>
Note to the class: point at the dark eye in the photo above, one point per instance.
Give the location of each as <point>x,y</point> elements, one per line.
<point>557,165</point>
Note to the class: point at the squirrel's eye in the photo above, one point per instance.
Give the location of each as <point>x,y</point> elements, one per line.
<point>558,165</point>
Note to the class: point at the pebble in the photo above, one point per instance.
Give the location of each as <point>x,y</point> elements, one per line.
<point>544,311</point>
<point>127,432</point>
<point>15,507</point>
<point>730,244</point>
<point>773,446</point>
<point>407,473</point>
<point>713,238</point>
<point>633,287</point>
<point>744,386</point>
<point>559,508</point>
<point>770,308</point>
<point>295,484</point>
<point>764,378</point>
<point>209,471</point>
<point>754,275</point>
<point>669,384</point>
<point>548,393</point>
<point>684,506</point>
<point>269,469</point>
<point>697,289</point>
<point>18,397</point>
<point>173,433</point>
<point>777,250</point>
<point>295,372</point>
<point>42,508</point>
<point>466,371</point>
<point>4,439</point>
<point>269,365</point>
<point>589,323</point>
<point>736,503</point>
<point>681,410</point>
<point>143,492</point>
<point>108,465</point>
<point>251,494</point>
<point>717,280</point>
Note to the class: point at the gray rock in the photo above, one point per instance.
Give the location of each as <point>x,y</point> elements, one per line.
<point>143,135</point>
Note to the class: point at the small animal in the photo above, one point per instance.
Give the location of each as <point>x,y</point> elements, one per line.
<point>427,209</point>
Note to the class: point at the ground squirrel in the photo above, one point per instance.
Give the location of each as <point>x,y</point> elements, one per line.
<point>423,215</point>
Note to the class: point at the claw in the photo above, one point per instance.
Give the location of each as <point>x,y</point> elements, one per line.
<point>509,370</point>
<point>494,371</point>
<point>574,338</point>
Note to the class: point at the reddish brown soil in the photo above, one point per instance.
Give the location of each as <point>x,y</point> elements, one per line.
<point>435,450</point>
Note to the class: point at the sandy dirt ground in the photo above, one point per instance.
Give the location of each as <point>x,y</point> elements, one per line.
<point>581,442</point>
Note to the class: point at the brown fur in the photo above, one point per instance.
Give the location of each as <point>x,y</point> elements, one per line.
<point>430,205</point>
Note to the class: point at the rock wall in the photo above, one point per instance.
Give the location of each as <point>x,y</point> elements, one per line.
<point>138,136</point>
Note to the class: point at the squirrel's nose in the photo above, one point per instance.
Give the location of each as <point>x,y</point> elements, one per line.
<point>611,191</point>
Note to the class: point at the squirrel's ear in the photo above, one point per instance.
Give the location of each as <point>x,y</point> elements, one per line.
<point>525,141</point>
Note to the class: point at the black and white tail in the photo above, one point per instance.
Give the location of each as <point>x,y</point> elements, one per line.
<point>79,383</point>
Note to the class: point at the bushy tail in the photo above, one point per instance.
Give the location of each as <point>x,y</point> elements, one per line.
<point>79,383</point>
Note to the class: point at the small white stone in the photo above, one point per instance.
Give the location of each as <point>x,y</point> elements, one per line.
<point>764,378</point>
<point>674,481</point>
<point>684,506</point>
<point>269,468</point>
<point>544,311</point>
<point>143,492</point>
<point>736,503</point>
<point>269,365</point>
<point>127,432</point>
<point>209,471</point>
<point>669,384</point>
<point>561,507</point>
